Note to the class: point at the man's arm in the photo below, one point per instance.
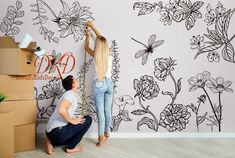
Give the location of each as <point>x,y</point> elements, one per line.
<point>63,111</point>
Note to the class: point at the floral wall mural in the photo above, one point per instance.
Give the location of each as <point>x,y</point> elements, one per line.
<point>173,60</point>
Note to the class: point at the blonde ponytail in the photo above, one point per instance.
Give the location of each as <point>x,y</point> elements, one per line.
<point>101,57</point>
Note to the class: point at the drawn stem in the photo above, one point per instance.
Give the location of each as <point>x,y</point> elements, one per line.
<point>217,119</point>
<point>231,38</point>
<point>174,97</point>
<point>197,115</point>
<point>139,42</point>
<point>220,113</point>
<point>148,111</point>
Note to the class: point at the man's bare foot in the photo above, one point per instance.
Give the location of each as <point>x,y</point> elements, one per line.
<point>76,149</point>
<point>49,146</point>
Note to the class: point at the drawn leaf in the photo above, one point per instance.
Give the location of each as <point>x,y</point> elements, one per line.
<point>11,10</point>
<point>147,121</point>
<point>15,30</point>
<point>179,85</point>
<point>214,35</point>
<point>41,97</point>
<point>33,5</point>
<point>56,40</point>
<point>18,22</point>
<point>168,93</point>
<point>124,114</point>
<point>197,14</point>
<point>18,4</point>
<point>3,27</point>
<point>139,112</point>
<point>208,8</point>
<point>65,7</point>
<point>145,7</point>
<point>219,25</point>
<point>185,4</point>
<point>193,108</point>
<point>226,25</point>
<point>201,119</point>
<point>208,49</point>
<point>189,23</point>
<point>197,5</point>
<point>20,14</point>
<point>8,21</point>
<point>228,53</point>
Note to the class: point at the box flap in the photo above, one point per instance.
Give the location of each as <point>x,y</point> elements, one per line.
<point>32,45</point>
<point>7,42</point>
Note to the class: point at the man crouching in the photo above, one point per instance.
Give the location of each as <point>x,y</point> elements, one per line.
<point>63,128</point>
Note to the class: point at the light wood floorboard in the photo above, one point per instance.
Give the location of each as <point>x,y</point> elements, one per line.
<point>144,148</point>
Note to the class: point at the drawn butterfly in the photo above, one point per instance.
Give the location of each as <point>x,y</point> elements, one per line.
<point>144,53</point>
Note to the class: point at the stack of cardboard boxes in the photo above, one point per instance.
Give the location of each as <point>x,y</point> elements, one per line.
<point>18,110</point>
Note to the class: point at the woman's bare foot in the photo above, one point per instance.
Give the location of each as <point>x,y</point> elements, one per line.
<point>107,135</point>
<point>49,146</point>
<point>76,149</point>
<point>101,140</point>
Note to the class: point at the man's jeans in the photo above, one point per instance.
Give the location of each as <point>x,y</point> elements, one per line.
<point>70,134</point>
<point>103,95</point>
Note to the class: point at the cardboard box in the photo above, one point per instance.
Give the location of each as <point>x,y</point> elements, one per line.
<point>24,111</point>
<point>6,135</point>
<point>16,87</point>
<point>16,61</point>
<point>24,137</point>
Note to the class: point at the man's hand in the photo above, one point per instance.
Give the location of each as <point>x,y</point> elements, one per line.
<point>76,121</point>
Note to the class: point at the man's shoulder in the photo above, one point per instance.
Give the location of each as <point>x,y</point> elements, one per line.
<point>69,95</point>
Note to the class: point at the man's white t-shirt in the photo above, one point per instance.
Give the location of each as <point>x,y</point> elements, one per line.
<point>56,120</point>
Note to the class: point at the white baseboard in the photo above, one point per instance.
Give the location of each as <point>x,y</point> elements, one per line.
<point>166,135</point>
<point>163,135</point>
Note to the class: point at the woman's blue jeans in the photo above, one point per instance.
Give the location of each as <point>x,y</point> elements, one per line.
<point>103,95</point>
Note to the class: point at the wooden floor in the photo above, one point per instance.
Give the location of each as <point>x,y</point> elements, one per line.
<point>145,148</point>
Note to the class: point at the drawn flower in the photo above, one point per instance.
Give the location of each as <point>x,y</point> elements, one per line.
<point>197,42</point>
<point>220,9</point>
<point>213,56</point>
<point>144,53</point>
<point>174,117</point>
<point>199,81</point>
<point>72,20</point>
<point>124,114</point>
<point>53,89</point>
<point>165,17</point>
<point>172,5</point>
<point>188,12</point>
<point>201,99</point>
<point>211,16</point>
<point>163,66</point>
<point>124,100</point>
<point>146,87</point>
<point>218,85</point>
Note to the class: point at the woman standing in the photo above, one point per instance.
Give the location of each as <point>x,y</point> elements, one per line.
<point>103,88</point>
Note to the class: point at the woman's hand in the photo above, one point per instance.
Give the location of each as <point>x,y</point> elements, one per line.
<point>89,24</point>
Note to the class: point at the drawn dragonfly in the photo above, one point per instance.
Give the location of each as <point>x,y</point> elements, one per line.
<point>152,44</point>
